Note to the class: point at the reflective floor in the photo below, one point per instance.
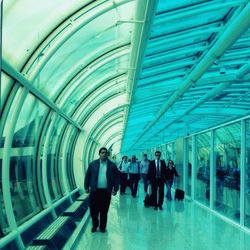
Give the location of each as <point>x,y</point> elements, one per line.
<point>179,226</point>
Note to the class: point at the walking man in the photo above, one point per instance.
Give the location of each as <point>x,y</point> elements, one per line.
<point>101,179</point>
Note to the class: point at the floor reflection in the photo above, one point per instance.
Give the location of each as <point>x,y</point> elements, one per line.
<point>181,225</point>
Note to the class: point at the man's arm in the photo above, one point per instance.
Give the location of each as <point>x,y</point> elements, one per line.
<point>87,180</point>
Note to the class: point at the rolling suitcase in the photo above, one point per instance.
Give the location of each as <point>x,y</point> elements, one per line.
<point>179,194</point>
<point>148,201</point>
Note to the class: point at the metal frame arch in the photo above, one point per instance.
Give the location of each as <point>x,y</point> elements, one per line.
<point>80,72</point>
<point>46,46</point>
<point>79,109</point>
<point>85,117</point>
<point>84,74</point>
<point>97,129</point>
<point>107,127</point>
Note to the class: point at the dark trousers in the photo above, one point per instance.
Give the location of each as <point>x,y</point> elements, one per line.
<point>157,191</point>
<point>145,182</point>
<point>99,201</point>
<point>124,180</point>
<point>134,184</point>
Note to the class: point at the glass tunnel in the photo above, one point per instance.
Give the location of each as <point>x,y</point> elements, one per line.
<point>136,77</point>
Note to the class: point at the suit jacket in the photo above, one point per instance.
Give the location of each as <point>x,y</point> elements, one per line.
<point>152,171</point>
<point>91,177</point>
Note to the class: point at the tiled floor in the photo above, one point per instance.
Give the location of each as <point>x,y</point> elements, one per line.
<point>179,226</point>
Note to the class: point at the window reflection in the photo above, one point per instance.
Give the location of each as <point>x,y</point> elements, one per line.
<point>24,200</point>
<point>247,189</point>
<point>3,221</point>
<point>227,170</point>
<point>189,166</point>
<point>202,188</point>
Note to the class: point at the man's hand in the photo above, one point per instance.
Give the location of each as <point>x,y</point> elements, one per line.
<point>114,193</point>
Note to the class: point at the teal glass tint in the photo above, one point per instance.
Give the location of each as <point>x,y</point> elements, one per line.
<point>82,46</point>
<point>95,85</point>
<point>68,154</point>
<point>179,162</point>
<point>247,171</point>
<point>32,28</point>
<point>4,227</point>
<point>24,193</point>
<point>29,122</point>
<point>23,172</point>
<point>227,170</point>
<point>164,6</point>
<point>169,151</point>
<point>189,165</point>
<point>6,84</point>
<point>53,161</point>
<point>202,173</point>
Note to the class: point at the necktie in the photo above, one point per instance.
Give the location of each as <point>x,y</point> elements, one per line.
<point>158,169</point>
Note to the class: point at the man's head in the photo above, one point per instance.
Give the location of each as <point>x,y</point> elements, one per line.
<point>145,157</point>
<point>133,158</point>
<point>157,155</point>
<point>103,153</point>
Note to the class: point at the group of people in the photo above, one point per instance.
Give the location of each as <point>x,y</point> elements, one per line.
<point>155,172</point>
<point>103,178</point>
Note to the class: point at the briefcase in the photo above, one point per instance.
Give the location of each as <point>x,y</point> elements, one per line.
<point>179,194</point>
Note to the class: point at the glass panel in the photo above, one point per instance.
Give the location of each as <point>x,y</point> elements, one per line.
<point>23,182</point>
<point>69,161</point>
<point>28,122</point>
<point>59,177</point>
<point>247,191</point>
<point>169,152</point>
<point>3,220</point>
<point>40,163</point>
<point>45,16</point>
<point>93,80</point>
<point>203,168</point>
<point>178,160</point>
<point>53,160</point>
<point>227,162</point>
<point>163,152</point>
<point>189,166</point>
<point>104,29</point>
<point>6,85</point>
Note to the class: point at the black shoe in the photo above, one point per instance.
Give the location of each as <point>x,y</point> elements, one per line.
<point>102,230</point>
<point>160,207</point>
<point>93,229</point>
<point>155,208</point>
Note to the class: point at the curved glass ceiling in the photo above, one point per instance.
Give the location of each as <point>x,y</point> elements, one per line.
<point>152,68</point>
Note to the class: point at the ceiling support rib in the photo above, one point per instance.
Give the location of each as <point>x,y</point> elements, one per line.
<point>146,13</point>
<point>240,74</point>
<point>231,34</point>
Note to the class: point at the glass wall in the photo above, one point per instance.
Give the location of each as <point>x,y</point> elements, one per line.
<point>179,162</point>
<point>170,152</point>
<point>247,189</point>
<point>189,165</point>
<point>203,168</point>
<point>3,219</point>
<point>227,170</point>
<point>53,163</point>
<point>23,182</point>
<point>69,155</point>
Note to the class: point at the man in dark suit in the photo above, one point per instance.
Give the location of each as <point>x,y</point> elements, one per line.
<point>157,176</point>
<point>101,179</point>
